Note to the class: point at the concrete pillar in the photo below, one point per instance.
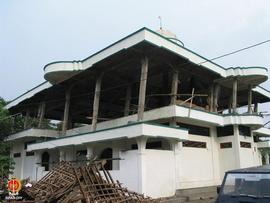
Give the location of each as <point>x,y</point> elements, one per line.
<point>26,119</point>
<point>37,165</point>
<point>174,87</point>
<point>176,148</point>
<point>236,146</point>
<point>143,82</point>
<point>211,99</point>
<point>249,99</point>
<point>127,101</point>
<point>141,143</point>
<point>266,156</point>
<point>256,107</point>
<point>90,152</point>
<point>216,96</point>
<point>66,112</point>
<point>42,107</point>
<point>215,155</point>
<point>234,95</point>
<point>96,102</point>
<point>62,155</point>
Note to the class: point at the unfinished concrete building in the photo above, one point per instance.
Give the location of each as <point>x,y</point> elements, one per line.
<point>165,117</point>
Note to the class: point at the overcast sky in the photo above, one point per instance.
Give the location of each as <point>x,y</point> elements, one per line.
<point>34,33</point>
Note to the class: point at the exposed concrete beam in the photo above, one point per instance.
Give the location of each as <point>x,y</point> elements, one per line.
<point>174,88</point>
<point>96,102</point>
<point>211,98</point>
<point>249,99</point>
<point>234,96</point>
<point>216,96</point>
<point>127,100</point>
<point>26,119</point>
<point>42,107</point>
<point>66,112</point>
<point>143,82</point>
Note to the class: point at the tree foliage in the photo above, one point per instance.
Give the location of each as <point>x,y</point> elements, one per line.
<point>7,125</point>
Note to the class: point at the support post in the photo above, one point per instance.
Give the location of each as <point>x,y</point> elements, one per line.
<point>26,119</point>
<point>174,88</point>
<point>143,82</point>
<point>266,156</point>
<point>127,101</point>
<point>42,107</point>
<point>96,102</point>
<point>66,112</point>
<point>249,99</point>
<point>62,155</point>
<point>211,99</point>
<point>90,152</point>
<point>216,95</point>
<point>234,96</point>
<point>237,146</point>
<point>141,143</point>
<point>256,107</point>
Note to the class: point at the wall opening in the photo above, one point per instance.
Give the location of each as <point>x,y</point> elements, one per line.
<point>107,154</point>
<point>45,159</point>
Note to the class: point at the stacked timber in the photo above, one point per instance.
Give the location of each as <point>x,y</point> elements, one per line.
<point>90,183</point>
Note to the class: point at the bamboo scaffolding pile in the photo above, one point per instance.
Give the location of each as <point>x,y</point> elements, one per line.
<point>90,183</point>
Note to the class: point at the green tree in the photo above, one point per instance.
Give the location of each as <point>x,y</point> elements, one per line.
<point>7,124</point>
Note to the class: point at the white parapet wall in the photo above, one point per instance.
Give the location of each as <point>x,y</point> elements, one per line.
<point>158,179</point>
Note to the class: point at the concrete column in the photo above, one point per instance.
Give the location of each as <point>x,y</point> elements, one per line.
<point>256,107</point>
<point>211,99</point>
<point>143,82</point>
<point>236,146</point>
<point>141,143</point>
<point>174,88</point>
<point>96,102</point>
<point>266,156</point>
<point>90,152</point>
<point>42,107</point>
<point>216,96</point>
<point>234,96</point>
<point>26,119</point>
<point>37,165</point>
<point>127,101</point>
<point>176,148</point>
<point>215,155</point>
<point>249,99</point>
<point>66,112</point>
<point>62,155</point>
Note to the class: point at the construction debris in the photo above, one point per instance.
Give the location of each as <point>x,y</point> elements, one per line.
<point>90,183</point>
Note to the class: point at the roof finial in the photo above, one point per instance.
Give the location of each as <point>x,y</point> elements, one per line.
<point>160,22</point>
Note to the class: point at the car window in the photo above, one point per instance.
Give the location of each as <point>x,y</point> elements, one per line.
<point>247,184</point>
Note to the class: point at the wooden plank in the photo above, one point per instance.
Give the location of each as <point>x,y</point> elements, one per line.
<point>66,112</point>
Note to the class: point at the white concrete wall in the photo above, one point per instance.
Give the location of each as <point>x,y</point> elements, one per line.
<point>196,165</point>
<point>17,148</point>
<point>160,173</point>
<point>128,173</point>
<point>226,155</point>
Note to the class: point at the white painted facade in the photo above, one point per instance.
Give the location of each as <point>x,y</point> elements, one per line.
<point>154,156</point>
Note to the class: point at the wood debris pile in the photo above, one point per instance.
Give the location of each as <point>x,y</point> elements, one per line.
<point>90,183</point>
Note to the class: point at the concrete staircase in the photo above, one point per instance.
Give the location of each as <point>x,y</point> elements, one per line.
<point>203,194</point>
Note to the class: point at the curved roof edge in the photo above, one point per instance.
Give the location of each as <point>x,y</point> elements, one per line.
<point>145,34</point>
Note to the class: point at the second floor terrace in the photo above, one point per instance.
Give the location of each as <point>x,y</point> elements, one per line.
<point>144,77</point>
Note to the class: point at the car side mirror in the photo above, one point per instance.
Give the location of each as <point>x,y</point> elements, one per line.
<point>218,189</point>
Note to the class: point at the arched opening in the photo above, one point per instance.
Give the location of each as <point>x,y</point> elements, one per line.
<point>45,159</point>
<point>107,154</point>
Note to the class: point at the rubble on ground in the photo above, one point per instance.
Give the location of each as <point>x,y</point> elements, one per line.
<point>90,183</point>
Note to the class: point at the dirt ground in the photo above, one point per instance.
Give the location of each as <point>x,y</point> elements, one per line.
<point>203,201</point>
